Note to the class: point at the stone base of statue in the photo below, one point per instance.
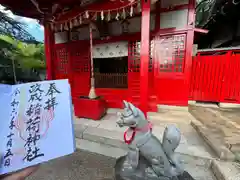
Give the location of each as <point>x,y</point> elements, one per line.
<point>124,171</point>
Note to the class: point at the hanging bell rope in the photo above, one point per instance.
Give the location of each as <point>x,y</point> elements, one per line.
<point>92,93</point>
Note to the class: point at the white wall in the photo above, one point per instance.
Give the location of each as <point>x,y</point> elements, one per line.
<point>133,27</point>
<point>61,37</point>
<point>107,50</point>
<point>174,19</point>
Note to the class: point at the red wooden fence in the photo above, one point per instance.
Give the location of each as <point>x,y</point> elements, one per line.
<point>215,77</point>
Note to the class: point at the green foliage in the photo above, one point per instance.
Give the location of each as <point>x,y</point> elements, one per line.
<point>26,56</point>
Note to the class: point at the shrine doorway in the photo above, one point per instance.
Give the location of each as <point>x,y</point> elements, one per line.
<point>111,72</point>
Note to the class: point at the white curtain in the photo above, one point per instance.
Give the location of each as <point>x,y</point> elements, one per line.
<point>108,50</point>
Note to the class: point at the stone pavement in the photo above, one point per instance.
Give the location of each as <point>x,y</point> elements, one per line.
<point>81,165</point>
<point>220,129</point>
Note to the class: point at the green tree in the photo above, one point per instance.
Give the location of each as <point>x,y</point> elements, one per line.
<point>27,56</point>
<point>20,59</point>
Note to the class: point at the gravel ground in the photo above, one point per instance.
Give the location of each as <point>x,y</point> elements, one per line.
<point>78,166</point>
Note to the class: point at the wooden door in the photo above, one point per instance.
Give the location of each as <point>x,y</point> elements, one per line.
<point>169,78</point>
<point>80,68</point>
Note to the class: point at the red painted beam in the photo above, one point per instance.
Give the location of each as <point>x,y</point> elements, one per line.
<point>144,55</point>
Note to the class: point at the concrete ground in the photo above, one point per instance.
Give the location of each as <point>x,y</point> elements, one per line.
<point>79,166</point>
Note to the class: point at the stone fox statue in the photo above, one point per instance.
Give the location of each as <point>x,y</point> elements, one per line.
<point>141,142</point>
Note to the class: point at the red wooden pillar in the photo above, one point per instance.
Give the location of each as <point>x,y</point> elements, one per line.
<point>189,43</point>
<point>144,53</point>
<point>48,43</point>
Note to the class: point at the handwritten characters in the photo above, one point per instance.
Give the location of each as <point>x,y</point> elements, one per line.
<point>14,108</point>
<point>33,123</point>
<point>51,102</point>
<point>34,114</point>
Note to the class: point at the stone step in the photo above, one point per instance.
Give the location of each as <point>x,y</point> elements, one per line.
<point>115,139</point>
<point>98,148</point>
<point>225,170</point>
<point>196,167</point>
<point>215,143</point>
<point>110,136</point>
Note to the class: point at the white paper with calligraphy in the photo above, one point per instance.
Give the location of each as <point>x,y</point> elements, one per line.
<point>36,124</point>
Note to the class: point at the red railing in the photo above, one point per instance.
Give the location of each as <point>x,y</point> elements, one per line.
<point>111,80</point>
<point>215,76</point>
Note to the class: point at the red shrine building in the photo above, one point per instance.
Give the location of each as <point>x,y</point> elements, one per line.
<point>139,51</point>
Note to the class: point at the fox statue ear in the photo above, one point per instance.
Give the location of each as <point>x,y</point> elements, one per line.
<point>125,103</point>
<point>134,109</point>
